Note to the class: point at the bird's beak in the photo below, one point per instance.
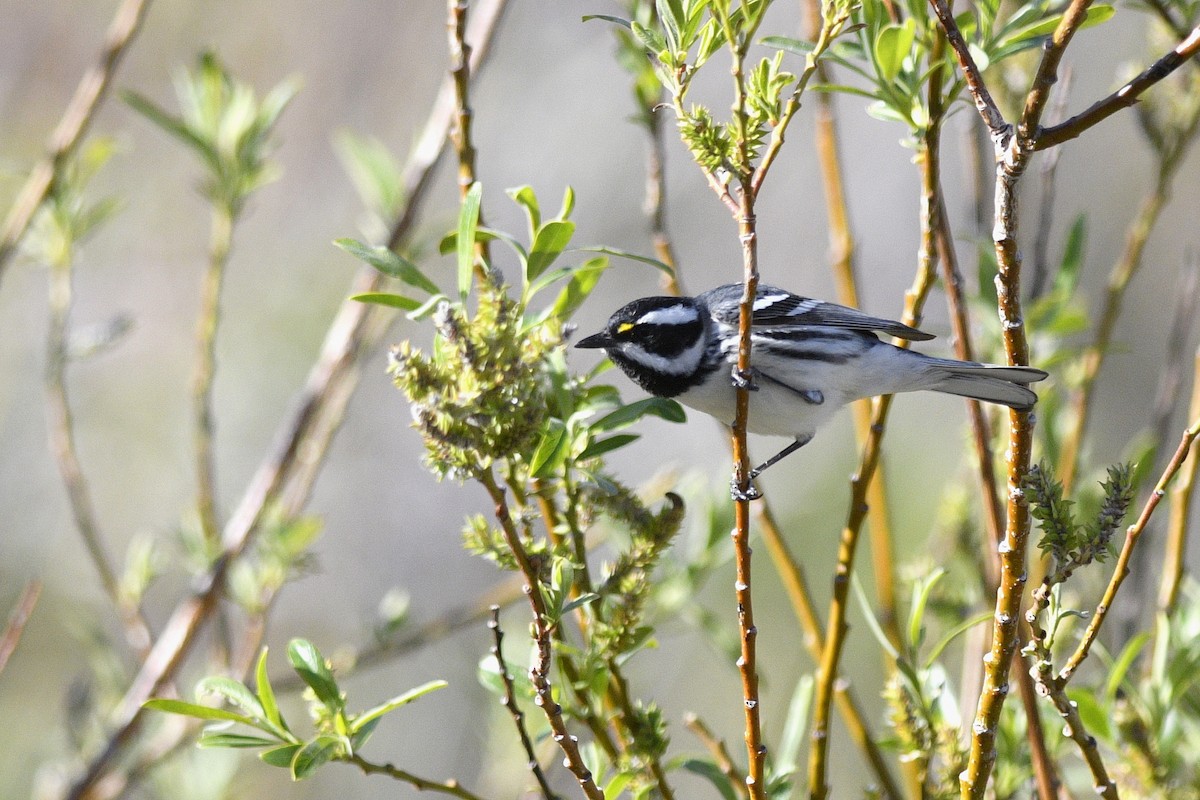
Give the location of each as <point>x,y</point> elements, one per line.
<point>596,341</point>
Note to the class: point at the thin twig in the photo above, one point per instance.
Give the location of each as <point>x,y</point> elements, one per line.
<point>11,635</point>
<point>460,128</point>
<point>1124,97</point>
<point>1121,570</point>
<point>204,370</point>
<point>287,473</point>
<point>539,672</point>
<point>510,702</point>
<point>827,678</point>
<point>720,754</point>
<point>1180,515</point>
<point>450,787</point>
<point>1028,129</point>
<point>62,439</point>
<point>998,128</point>
<point>89,94</point>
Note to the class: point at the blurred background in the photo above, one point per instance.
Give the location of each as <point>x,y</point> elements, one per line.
<point>551,110</point>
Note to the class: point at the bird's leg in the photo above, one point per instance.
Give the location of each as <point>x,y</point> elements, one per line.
<point>781,455</point>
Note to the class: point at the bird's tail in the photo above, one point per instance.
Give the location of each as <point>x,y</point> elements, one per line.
<point>988,382</point>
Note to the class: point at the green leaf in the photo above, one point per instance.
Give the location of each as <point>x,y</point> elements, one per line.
<point>551,450</point>
<point>313,755</point>
<point>577,290</point>
<point>612,251</point>
<point>1117,672</point>
<point>235,693</point>
<point>468,222</point>
<point>281,756</point>
<point>1091,713</point>
<point>568,203</point>
<point>196,710</point>
<point>797,47</point>
<point>172,125</point>
<point>873,624</point>
<point>389,299</point>
<point>234,740</point>
<point>396,702</point>
<point>892,46</point>
<point>662,407</point>
<point>601,446</point>
<point>310,665</point>
<point>551,239</point>
<point>578,602</point>
<point>525,197</point>
<point>651,39</point>
<point>389,263</point>
<point>707,769</point>
<point>1072,258</point>
<point>266,695</point>
<point>617,785</point>
<point>795,726</point>
<point>953,634</point>
<point>624,23</point>
<point>916,616</point>
<point>1096,15</point>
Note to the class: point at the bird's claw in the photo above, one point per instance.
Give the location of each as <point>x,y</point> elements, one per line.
<point>739,495</point>
<point>743,380</point>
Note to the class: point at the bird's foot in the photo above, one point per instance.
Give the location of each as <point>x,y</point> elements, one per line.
<point>740,495</point>
<point>743,379</point>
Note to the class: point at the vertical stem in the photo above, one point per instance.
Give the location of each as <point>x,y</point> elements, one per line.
<point>220,240</point>
<point>460,126</point>
<point>1177,526</point>
<point>747,663</point>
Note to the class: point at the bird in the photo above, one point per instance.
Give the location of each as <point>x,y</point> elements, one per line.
<point>808,359</point>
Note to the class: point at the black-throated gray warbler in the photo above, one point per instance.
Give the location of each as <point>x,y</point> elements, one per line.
<point>809,358</point>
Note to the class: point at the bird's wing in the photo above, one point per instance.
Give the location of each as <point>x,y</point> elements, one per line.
<point>777,308</point>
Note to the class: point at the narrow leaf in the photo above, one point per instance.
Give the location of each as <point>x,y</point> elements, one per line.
<point>468,222</point>
<point>389,263</point>
<point>396,702</point>
<point>195,710</point>
<point>551,450</point>
<point>892,46</point>
<point>612,251</point>
<point>280,756</point>
<point>266,695</point>
<point>707,769</point>
<point>628,414</point>
<point>389,299</point>
<point>313,755</point>
<point>310,665</point>
<point>234,693</point>
<point>602,446</point>
<point>234,740</point>
<point>579,288</point>
<point>795,46</point>
<point>552,238</point>
<point>525,197</point>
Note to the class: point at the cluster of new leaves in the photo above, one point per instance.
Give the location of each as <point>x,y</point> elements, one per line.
<point>1071,544</point>
<point>337,734</point>
<point>226,125</point>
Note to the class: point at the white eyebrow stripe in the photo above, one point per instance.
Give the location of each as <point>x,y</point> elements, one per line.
<point>671,315</point>
<point>768,301</point>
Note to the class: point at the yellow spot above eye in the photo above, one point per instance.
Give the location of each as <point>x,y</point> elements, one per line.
<point>625,327</point>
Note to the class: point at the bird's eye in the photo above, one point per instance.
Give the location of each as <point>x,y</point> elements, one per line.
<point>626,327</point>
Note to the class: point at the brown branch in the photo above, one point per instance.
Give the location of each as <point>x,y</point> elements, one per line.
<point>655,203</point>
<point>1121,570</point>
<point>539,672</point>
<point>17,619</point>
<point>450,787</point>
<point>998,128</point>
<point>460,128</point>
<point>1028,129</point>
<point>510,702</point>
<point>286,475</point>
<point>1123,98</point>
<point>80,112</point>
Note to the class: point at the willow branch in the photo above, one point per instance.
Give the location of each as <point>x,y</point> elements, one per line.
<point>997,127</point>
<point>1028,129</point>
<point>460,128</point>
<point>204,370</point>
<point>286,475</point>
<point>1180,514</point>
<point>539,672</point>
<point>450,787</point>
<point>827,677</point>
<point>510,702</point>
<point>10,637</point>
<point>1124,97</point>
<point>1121,570</point>
<point>89,94</point>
